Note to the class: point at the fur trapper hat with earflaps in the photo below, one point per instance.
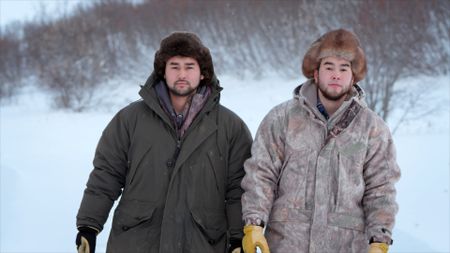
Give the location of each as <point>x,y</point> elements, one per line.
<point>188,45</point>
<point>339,43</point>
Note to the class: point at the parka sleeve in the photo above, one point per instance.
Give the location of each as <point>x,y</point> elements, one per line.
<point>381,172</point>
<point>107,179</point>
<point>239,151</point>
<point>263,167</point>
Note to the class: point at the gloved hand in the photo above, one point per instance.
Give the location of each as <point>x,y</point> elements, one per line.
<point>86,239</point>
<point>235,245</point>
<point>253,237</point>
<point>236,250</point>
<point>378,247</point>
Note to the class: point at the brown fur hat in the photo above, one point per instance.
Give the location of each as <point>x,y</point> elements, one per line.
<point>188,45</point>
<point>340,43</point>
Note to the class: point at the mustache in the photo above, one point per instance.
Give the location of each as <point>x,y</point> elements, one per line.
<point>182,81</point>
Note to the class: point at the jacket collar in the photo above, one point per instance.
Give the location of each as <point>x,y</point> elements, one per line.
<point>307,94</point>
<point>150,97</point>
<point>308,90</point>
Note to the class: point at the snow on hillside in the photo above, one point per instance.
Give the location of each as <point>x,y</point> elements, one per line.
<point>46,155</point>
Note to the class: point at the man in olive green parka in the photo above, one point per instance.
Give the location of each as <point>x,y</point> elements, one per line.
<point>175,158</point>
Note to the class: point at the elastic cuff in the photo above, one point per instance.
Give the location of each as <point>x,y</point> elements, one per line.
<point>254,221</point>
<point>88,229</point>
<point>382,235</point>
<point>375,240</point>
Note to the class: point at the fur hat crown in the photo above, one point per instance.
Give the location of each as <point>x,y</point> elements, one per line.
<point>188,45</point>
<point>339,43</point>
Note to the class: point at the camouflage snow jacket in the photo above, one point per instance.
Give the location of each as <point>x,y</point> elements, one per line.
<point>322,186</point>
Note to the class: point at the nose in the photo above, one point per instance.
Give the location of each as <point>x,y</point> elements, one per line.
<point>336,76</point>
<point>182,74</point>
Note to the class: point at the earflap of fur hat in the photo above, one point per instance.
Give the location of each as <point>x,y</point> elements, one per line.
<point>339,43</point>
<point>188,45</point>
<point>359,67</point>
<point>310,59</point>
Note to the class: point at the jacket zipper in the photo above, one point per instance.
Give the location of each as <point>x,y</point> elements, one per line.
<point>177,150</point>
<point>171,162</point>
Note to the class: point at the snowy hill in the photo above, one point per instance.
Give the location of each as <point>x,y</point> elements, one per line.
<point>46,155</point>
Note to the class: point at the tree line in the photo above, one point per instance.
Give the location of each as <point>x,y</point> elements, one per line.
<point>73,56</point>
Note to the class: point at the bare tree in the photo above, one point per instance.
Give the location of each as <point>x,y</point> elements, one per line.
<point>74,55</point>
<point>398,39</point>
<point>65,57</point>
<point>11,63</point>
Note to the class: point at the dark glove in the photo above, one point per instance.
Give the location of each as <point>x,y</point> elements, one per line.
<point>235,245</point>
<point>86,238</point>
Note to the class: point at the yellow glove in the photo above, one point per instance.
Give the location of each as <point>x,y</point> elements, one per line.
<point>378,247</point>
<point>253,237</point>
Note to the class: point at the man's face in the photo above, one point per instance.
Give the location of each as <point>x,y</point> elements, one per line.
<point>334,78</point>
<point>182,75</point>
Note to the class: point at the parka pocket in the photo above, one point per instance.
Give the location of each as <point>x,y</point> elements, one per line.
<point>217,166</point>
<point>347,184</point>
<point>134,163</point>
<point>212,224</point>
<point>133,228</point>
<point>205,186</point>
<point>293,178</point>
<point>347,221</point>
<point>287,214</point>
<point>283,223</point>
<point>130,214</point>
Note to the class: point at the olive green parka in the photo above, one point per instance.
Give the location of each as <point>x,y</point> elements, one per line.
<point>191,203</point>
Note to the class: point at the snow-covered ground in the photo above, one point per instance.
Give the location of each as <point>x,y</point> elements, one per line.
<point>46,155</point>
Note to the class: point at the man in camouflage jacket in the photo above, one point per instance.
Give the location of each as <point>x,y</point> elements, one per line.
<point>322,172</point>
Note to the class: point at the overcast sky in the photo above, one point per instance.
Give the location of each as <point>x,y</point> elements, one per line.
<point>24,10</point>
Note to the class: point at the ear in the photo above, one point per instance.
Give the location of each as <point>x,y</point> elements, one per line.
<point>316,75</point>
<point>201,77</point>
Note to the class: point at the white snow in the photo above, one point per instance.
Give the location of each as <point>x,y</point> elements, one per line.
<point>46,155</point>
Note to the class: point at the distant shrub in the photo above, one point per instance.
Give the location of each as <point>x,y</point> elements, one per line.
<point>11,64</point>
<point>73,56</point>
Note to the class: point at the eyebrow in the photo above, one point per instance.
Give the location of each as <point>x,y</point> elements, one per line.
<point>176,63</point>
<point>332,64</point>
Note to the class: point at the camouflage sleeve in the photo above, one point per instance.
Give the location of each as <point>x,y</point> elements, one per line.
<point>381,172</point>
<point>263,167</point>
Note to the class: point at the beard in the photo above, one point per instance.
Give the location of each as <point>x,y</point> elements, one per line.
<point>332,94</point>
<point>187,91</point>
